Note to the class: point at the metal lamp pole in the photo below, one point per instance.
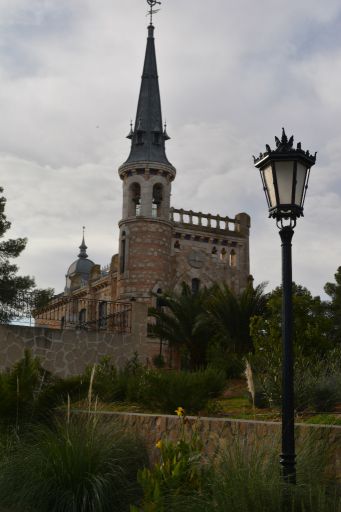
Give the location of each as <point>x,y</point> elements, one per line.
<point>285,175</point>
<point>288,456</point>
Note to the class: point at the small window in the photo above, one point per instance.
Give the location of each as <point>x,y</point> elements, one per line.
<point>233,258</point>
<point>223,254</point>
<point>102,315</point>
<point>82,318</point>
<point>157,200</point>
<point>195,285</point>
<point>123,253</point>
<point>159,299</point>
<point>135,195</point>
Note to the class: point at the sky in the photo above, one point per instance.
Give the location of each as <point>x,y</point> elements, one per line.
<point>232,74</point>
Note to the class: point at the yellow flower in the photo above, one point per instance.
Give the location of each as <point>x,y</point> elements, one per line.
<point>180,411</point>
<point>158,444</point>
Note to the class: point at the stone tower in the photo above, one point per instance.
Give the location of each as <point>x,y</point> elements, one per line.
<point>145,227</point>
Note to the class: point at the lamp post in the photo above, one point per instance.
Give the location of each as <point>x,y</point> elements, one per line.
<point>285,174</point>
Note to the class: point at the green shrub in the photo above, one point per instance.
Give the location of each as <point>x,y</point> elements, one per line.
<point>79,466</point>
<point>111,384</point>
<point>317,381</point>
<point>224,360</point>
<point>156,389</point>
<point>57,393</point>
<point>180,471</point>
<point>159,361</point>
<point>326,393</point>
<point>20,389</point>
<point>166,390</point>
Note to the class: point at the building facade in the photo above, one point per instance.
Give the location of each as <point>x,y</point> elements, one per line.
<point>160,247</point>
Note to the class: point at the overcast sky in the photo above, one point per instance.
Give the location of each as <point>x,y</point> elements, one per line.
<point>231,75</point>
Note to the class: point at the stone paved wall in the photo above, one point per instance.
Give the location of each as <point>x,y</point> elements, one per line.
<point>148,257</point>
<point>218,433</point>
<point>69,352</point>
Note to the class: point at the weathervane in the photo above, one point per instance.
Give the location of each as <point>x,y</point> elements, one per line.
<point>152,11</point>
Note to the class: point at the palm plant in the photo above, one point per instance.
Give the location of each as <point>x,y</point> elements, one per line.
<point>229,315</point>
<point>182,323</point>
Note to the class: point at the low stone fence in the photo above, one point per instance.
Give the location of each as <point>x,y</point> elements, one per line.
<point>68,352</point>
<point>218,433</point>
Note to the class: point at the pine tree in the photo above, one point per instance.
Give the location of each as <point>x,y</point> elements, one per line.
<point>12,286</point>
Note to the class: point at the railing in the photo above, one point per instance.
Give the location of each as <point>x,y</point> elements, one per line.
<point>213,222</point>
<point>64,312</point>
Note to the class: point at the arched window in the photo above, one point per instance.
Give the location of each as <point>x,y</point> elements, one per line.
<point>233,258</point>
<point>82,318</point>
<point>159,300</point>
<point>223,254</point>
<point>157,200</point>
<point>195,285</point>
<point>102,315</point>
<point>135,199</point>
<point>123,253</point>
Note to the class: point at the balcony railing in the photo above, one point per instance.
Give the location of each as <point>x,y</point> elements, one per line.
<point>64,312</point>
<point>202,220</point>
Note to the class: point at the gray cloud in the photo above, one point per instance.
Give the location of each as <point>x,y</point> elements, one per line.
<point>231,75</point>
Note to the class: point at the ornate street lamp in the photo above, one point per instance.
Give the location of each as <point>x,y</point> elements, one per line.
<point>285,174</point>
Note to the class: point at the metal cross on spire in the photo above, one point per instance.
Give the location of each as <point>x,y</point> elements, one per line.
<point>152,11</point>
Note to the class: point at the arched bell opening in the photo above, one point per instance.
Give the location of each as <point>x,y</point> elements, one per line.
<point>135,200</point>
<point>157,200</point>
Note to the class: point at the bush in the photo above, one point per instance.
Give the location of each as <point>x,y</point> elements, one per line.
<point>166,390</point>
<point>57,392</point>
<point>317,381</point>
<point>155,388</point>
<point>180,471</point>
<point>78,466</point>
<point>159,361</point>
<point>224,360</point>
<point>20,389</point>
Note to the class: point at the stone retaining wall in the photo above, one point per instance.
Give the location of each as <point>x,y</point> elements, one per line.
<point>218,433</point>
<point>68,352</point>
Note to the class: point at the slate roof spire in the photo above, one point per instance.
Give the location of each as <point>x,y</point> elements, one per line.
<point>148,137</point>
<point>83,247</point>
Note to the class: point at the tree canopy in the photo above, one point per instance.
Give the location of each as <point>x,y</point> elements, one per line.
<point>334,306</point>
<point>13,286</point>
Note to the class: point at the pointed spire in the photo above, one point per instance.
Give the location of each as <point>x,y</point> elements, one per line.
<point>131,133</point>
<point>83,247</point>
<point>165,134</point>
<point>148,137</point>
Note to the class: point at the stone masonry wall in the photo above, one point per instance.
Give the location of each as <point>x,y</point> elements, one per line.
<point>219,433</point>
<point>147,257</point>
<point>68,352</point>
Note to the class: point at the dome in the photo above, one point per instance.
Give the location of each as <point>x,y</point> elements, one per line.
<point>81,267</point>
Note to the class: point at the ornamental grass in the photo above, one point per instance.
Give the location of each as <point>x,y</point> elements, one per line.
<point>81,465</point>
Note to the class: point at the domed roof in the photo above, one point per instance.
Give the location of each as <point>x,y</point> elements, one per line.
<point>82,266</point>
